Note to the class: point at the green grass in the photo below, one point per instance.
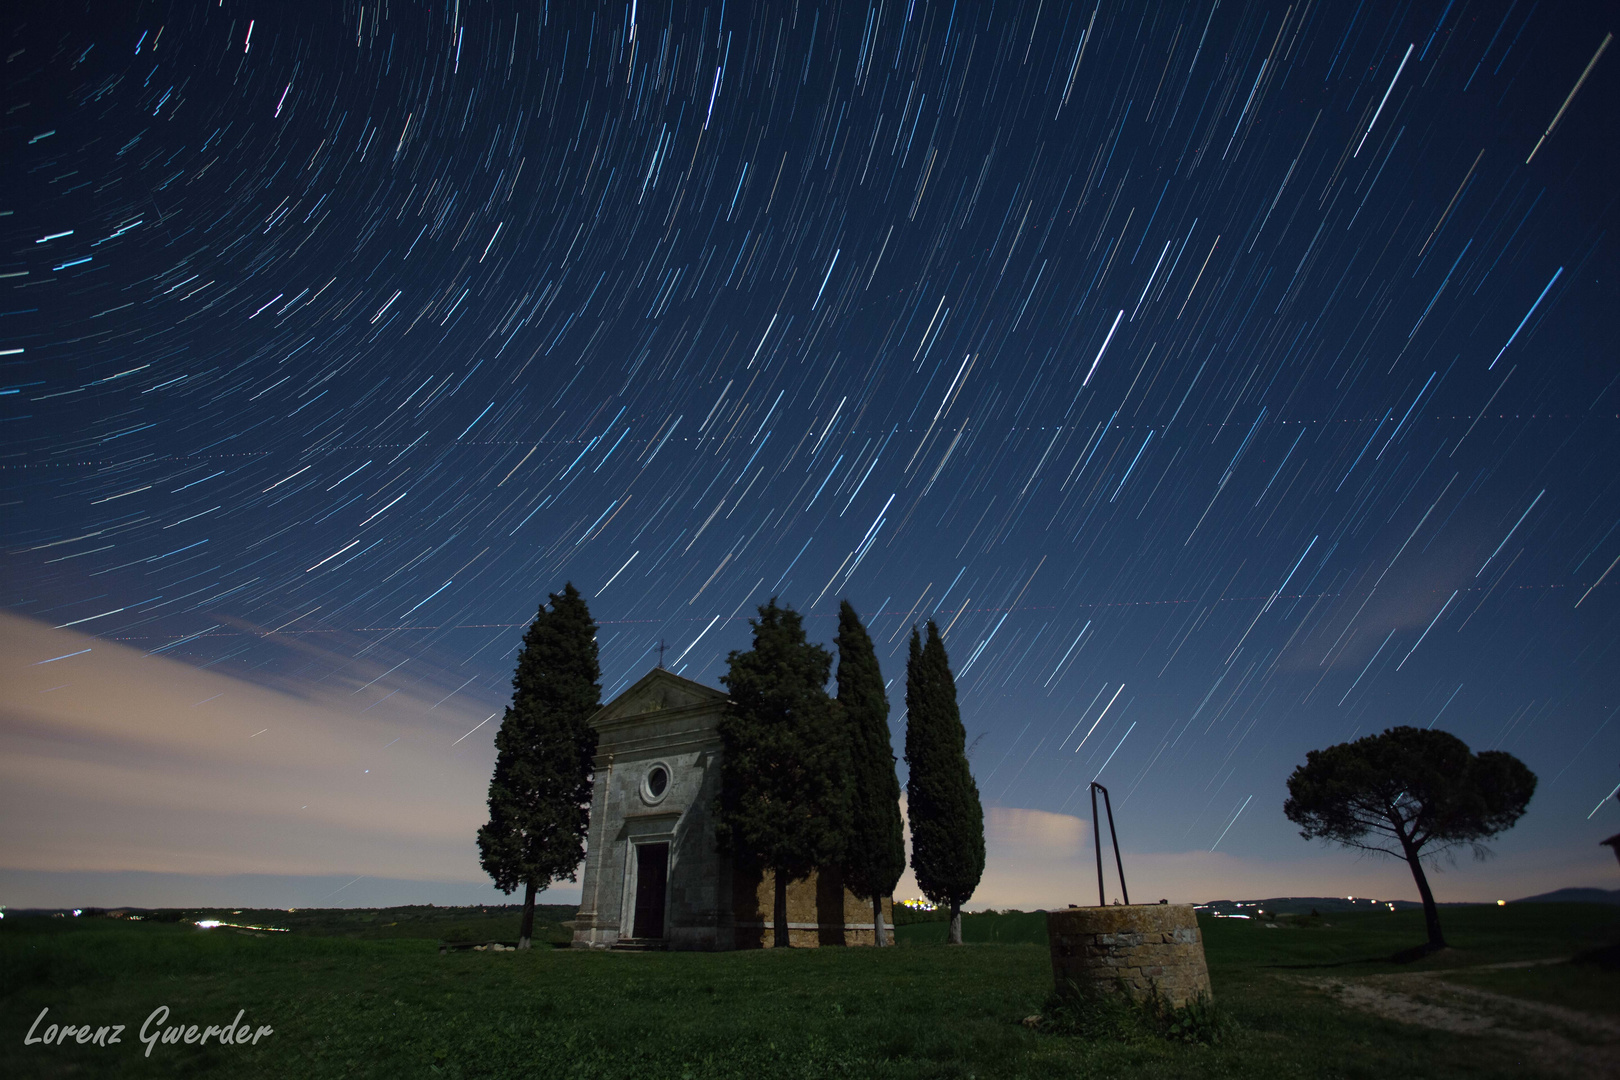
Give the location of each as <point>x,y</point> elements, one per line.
<point>345,1004</point>
<point>1584,988</point>
<point>483,923</point>
<point>1361,943</point>
<point>1017,928</point>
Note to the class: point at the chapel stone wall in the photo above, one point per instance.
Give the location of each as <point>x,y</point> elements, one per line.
<point>820,912</point>
<point>668,725</point>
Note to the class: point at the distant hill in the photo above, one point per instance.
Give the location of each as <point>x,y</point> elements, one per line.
<point>1300,905</point>
<point>1303,905</point>
<point>1574,896</point>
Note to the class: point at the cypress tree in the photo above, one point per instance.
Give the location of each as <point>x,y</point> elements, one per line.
<point>783,806</point>
<point>947,820</point>
<point>539,797</point>
<point>875,854</point>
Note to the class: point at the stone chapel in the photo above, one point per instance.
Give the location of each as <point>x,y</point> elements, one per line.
<point>654,877</point>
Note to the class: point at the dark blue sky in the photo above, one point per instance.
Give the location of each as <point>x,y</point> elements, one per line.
<point>1224,377</point>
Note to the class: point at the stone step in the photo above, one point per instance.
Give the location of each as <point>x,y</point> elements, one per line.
<point>640,945</point>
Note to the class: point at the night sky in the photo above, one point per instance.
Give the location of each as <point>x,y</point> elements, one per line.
<point>1225,380</point>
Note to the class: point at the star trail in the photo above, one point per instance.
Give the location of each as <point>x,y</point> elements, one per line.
<point>1226,379</point>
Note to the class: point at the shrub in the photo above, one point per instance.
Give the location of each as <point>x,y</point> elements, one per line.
<point>910,916</point>
<point>1117,1017</point>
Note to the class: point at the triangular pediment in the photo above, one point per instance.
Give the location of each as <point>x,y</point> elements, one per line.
<point>658,691</point>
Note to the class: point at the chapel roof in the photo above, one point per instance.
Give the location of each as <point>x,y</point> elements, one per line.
<point>658,691</point>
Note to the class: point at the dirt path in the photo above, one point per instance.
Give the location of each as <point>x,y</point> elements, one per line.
<point>1556,1041</point>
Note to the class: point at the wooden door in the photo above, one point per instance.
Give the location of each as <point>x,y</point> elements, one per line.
<point>652,879</point>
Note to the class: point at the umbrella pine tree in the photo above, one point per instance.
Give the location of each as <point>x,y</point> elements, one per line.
<point>1411,793</point>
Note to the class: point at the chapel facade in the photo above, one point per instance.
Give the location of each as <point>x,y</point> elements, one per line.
<point>654,876</point>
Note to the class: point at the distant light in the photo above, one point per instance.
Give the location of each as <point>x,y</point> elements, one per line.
<point>1501,903</point>
<point>77,912</point>
<point>211,924</point>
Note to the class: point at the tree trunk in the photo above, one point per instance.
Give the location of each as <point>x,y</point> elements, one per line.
<point>781,912</point>
<point>1431,913</point>
<point>526,929</point>
<point>956,924</point>
<point>879,937</point>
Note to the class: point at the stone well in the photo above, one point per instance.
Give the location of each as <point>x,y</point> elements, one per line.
<point>1141,946</point>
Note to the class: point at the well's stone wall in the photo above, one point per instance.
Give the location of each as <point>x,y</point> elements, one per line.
<point>1142,946</point>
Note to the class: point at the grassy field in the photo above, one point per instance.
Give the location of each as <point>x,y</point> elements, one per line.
<point>347,994</point>
<point>451,924</point>
<point>1583,987</point>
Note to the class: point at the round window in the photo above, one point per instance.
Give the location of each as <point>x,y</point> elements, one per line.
<point>657,781</point>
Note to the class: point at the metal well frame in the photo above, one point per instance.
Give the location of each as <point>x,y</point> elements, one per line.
<point>1096,837</point>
